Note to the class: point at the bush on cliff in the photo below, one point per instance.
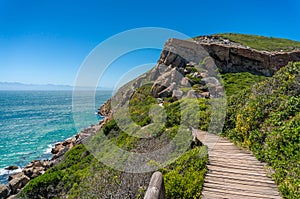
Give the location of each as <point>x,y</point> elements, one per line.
<point>236,82</point>
<point>265,119</point>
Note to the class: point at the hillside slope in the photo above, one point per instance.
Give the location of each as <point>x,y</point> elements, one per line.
<point>160,108</point>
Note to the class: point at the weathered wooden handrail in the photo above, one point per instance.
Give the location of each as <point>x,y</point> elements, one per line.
<point>156,188</point>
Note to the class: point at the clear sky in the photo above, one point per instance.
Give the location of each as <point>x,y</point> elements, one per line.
<point>46,41</point>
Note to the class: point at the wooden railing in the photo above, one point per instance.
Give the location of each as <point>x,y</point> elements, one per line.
<point>156,188</point>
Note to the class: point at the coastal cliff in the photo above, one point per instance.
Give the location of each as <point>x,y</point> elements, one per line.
<point>234,57</point>
<point>178,55</point>
<point>185,70</point>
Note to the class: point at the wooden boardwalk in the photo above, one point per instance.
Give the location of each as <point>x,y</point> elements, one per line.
<point>234,173</point>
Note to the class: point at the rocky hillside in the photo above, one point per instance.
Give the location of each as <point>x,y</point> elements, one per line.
<point>234,57</point>
<point>152,117</point>
<point>182,63</point>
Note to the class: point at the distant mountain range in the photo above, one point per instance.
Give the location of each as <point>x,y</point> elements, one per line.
<point>21,86</point>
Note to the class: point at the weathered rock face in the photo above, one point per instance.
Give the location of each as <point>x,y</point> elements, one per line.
<point>233,57</point>
<point>3,191</point>
<point>180,60</point>
<point>172,71</point>
<point>62,147</point>
<point>166,83</point>
<point>36,168</point>
<point>105,109</point>
<point>18,182</point>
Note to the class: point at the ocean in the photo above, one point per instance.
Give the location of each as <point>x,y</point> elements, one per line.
<point>31,122</point>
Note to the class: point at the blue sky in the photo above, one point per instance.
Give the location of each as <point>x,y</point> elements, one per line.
<point>46,41</point>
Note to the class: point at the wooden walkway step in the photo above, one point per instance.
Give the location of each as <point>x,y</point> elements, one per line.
<point>234,173</point>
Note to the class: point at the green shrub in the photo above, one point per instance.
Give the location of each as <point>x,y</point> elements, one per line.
<point>266,119</point>
<point>236,82</point>
<point>110,125</point>
<point>140,104</point>
<point>185,177</point>
<point>41,183</point>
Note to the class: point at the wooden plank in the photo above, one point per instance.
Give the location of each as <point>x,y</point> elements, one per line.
<point>228,150</point>
<point>212,195</point>
<point>241,177</point>
<point>237,170</point>
<point>222,161</point>
<point>222,155</point>
<point>224,144</point>
<point>235,165</point>
<point>231,156</point>
<point>245,188</point>
<point>228,158</point>
<point>241,171</point>
<point>241,193</point>
<point>238,181</point>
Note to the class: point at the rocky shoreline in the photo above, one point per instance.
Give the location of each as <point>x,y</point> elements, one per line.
<point>38,167</point>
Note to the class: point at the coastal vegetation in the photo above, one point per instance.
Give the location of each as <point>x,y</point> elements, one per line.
<point>265,119</point>
<point>262,43</point>
<point>236,82</point>
<point>263,115</point>
<point>271,109</point>
<point>81,174</point>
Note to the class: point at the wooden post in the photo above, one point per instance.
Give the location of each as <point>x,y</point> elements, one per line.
<point>156,188</point>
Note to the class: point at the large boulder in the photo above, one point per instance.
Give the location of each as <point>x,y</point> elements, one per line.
<point>4,191</point>
<point>185,82</point>
<point>177,94</point>
<point>11,168</point>
<point>192,94</point>
<point>18,183</point>
<point>28,171</point>
<point>165,81</point>
<point>13,197</point>
<point>212,81</point>
<point>168,91</point>
<point>15,176</point>
<point>57,148</point>
<point>34,169</point>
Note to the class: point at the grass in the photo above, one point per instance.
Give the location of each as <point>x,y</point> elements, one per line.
<point>236,82</point>
<point>263,43</point>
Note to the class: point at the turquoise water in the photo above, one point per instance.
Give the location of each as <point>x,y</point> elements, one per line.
<point>31,122</point>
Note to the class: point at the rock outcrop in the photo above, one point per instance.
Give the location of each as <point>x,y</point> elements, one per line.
<point>18,182</point>
<point>105,109</point>
<point>36,168</point>
<point>3,191</point>
<point>233,57</point>
<point>12,167</point>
